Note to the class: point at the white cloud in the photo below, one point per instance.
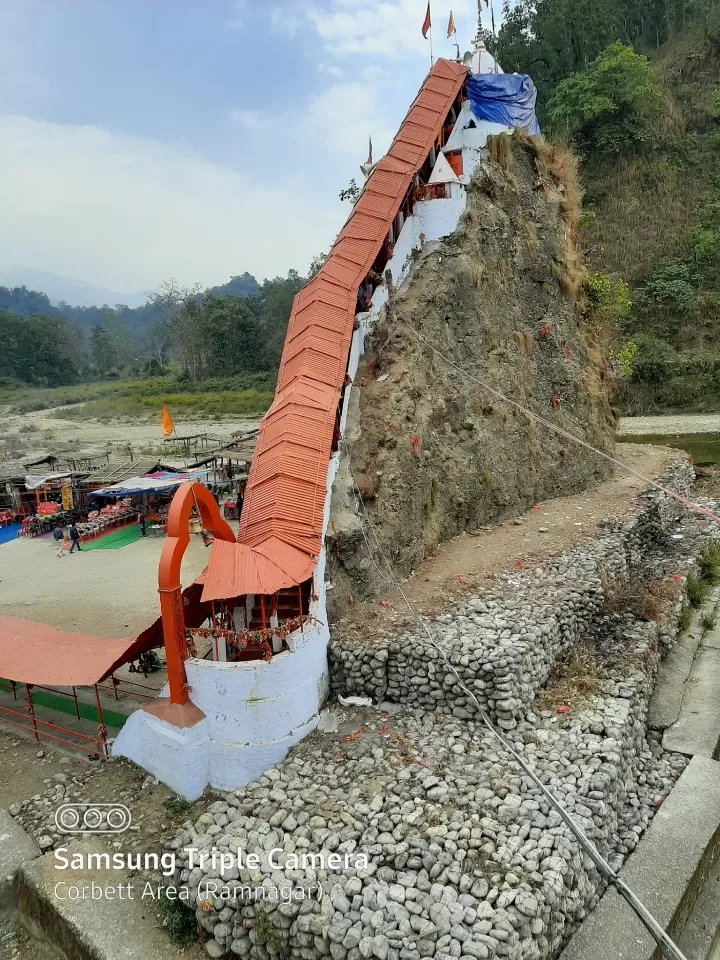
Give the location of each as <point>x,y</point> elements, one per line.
<point>252,120</point>
<point>389,28</point>
<point>340,118</point>
<point>343,116</point>
<point>282,20</point>
<point>236,17</point>
<point>330,69</point>
<point>127,212</point>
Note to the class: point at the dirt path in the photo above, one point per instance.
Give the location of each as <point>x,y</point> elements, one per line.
<point>469,561</point>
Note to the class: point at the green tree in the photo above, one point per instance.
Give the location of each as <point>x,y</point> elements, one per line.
<point>316,264</point>
<point>111,346</point>
<point>38,350</point>
<point>351,192</point>
<point>275,302</point>
<point>611,106</point>
<point>233,336</point>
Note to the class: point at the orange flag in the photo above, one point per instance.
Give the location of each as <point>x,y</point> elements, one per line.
<point>426,23</point>
<point>166,421</point>
<point>451,25</point>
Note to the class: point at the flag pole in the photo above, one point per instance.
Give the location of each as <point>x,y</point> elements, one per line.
<point>495,43</point>
<point>430,32</point>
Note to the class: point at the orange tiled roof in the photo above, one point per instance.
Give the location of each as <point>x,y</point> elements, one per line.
<point>285,496</point>
<point>37,653</point>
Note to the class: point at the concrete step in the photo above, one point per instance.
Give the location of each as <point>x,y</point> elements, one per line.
<point>668,872</point>
<point>16,849</point>
<point>676,668</point>
<point>672,676</point>
<point>701,933</point>
<point>116,924</point>
<point>697,729</point>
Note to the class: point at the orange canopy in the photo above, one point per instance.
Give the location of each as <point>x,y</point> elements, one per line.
<point>236,569</point>
<point>36,653</point>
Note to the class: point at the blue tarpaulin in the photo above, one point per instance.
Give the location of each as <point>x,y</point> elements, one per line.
<point>506,98</point>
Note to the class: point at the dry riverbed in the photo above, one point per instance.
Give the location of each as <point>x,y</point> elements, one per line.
<point>41,431</point>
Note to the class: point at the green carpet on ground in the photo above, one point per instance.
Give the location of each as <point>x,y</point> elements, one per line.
<point>54,701</point>
<point>114,540</point>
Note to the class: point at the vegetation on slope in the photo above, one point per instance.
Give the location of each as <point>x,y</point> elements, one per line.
<point>635,86</point>
<point>244,395</point>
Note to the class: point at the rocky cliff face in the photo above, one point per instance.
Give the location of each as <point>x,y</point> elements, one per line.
<point>429,449</point>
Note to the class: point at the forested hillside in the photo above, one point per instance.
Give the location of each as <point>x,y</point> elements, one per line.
<point>229,330</point>
<point>634,85</point>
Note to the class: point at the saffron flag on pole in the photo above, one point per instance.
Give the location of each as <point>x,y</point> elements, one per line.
<point>451,25</point>
<point>166,421</point>
<point>426,24</point>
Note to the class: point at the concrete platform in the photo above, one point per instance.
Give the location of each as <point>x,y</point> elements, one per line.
<point>697,729</point>
<point>117,926</point>
<point>676,668</point>
<point>672,676</point>
<point>667,872</point>
<point>17,848</point>
<point>700,935</point>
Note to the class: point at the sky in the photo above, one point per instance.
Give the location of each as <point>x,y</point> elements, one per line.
<point>148,140</point>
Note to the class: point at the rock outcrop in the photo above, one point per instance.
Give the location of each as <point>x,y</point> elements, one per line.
<point>429,447</point>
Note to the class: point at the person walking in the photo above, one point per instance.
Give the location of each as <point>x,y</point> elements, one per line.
<point>59,538</point>
<point>74,537</point>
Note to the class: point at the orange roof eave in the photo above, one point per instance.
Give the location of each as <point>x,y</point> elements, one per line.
<point>285,506</point>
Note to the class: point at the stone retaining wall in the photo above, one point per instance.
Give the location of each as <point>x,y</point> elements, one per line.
<point>466,858</point>
<point>506,643</point>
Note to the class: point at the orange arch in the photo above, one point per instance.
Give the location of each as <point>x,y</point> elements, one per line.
<point>171,607</point>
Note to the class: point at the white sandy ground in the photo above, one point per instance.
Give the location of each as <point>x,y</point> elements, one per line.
<point>40,431</point>
<point>105,593</point>
<point>669,425</point>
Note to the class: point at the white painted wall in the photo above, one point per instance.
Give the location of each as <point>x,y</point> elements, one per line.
<point>471,140</point>
<point>179,758</point>
<point>435,219</point>
<point>254,712</point>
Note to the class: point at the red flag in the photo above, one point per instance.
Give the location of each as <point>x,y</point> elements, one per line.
<point>426,25</point>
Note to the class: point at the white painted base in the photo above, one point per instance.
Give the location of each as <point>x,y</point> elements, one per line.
<point>178,757</point>
<point>254,712</point>
<point>188,760</point>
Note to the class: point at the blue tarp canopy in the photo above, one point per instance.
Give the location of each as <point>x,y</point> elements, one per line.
<point>506,98</point>
<point>151,483</point>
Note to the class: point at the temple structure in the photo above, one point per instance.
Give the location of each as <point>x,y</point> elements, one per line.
<point>261,601</point>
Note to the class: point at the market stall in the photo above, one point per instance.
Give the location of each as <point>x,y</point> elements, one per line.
<point>148,495</point>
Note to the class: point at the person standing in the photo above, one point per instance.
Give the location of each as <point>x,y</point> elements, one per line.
<point>141,523</point>
<point>59,538</point>
<point>240,498</point>
<point>74,537</point>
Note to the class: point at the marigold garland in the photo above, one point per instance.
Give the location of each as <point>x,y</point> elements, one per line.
<point>244,638</point>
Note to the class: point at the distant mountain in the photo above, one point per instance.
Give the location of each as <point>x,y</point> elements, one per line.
<point>27,300</point>
<point>244,285</point>
<point>58,289</point>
